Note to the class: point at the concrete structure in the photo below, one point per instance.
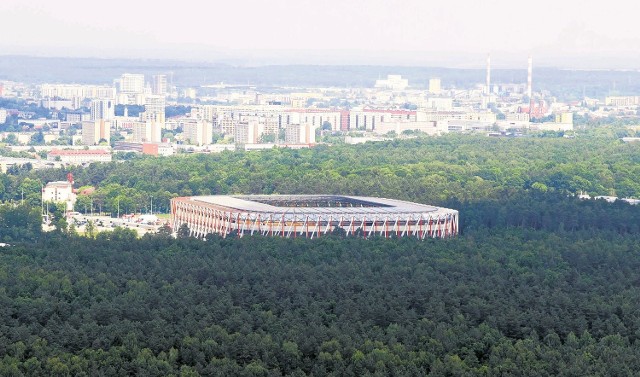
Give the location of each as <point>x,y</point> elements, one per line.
<point>517,117</point>
<point>79,157</point>
<point>439,104</point>
<point>149,132</point>
<point>132,83</point>
<point>197,132</point>
<point>367,119</point>
<point>529,79</point>
<point>103,109</point>
<point>71,91</point>
<point>95,130</point>
<point>487,87</point>
<point>131,89</point>
<point>392,82</point>
<point>552,126</point>
<point>316,118</point>
<point>59,192</point>
<point>484,116</point>
<point>565,118</point>
<point>248,132</point>
<point>428,127</point>
<point>57,104</point>
<point>622,101</point>
<point>311,216</point>
<point>152,149</point>
<point>157,149</point>
<point>159,85</point>
<point>300,134</point>
<point>435,87</point>
<point>154,108</point>
<point>78,117</point>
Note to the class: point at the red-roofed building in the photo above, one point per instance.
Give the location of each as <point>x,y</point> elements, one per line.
<point>79,157</point>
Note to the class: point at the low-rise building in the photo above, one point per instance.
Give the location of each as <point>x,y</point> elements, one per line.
<point>157,149</point>
<point>79,157</point>
<point>59,192</point>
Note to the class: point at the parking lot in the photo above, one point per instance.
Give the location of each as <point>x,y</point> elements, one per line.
<point>107,223</point>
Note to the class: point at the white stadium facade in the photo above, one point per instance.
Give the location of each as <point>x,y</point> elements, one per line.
<point>310,216</point>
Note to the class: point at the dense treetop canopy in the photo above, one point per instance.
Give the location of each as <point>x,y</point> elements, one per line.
<point>538,283</point>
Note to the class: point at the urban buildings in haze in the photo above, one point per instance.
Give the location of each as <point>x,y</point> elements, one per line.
<point>139,109</point>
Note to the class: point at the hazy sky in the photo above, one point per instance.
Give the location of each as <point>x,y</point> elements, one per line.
<point>449,32</point>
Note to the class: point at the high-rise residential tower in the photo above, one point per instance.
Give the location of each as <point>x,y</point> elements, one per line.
<point>159,85</point>
<point>102,109</point>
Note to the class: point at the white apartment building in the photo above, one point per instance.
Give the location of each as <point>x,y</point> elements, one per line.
<point>368,119</point>
<point>131,83</point>
<point>131,90</point>
<point>78,117</point>
<point>58,104</point>
<point>300,134</point>
<point>314,117</point>
<point>486,117</point>
<point>154,109</point>
<point>159,85</point>
<point>59,192</point>
<point>95,130</point>
<point>70,91</point>
<point>227,124</point>
<point>248,132</point>
<point>146,132</point>
<point>103,109</point>
<point>197,132</point>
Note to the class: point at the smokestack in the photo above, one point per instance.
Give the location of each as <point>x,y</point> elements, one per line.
<point>529,74</point>
<point>488,88</point>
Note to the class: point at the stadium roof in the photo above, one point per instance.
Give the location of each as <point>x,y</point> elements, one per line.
<point>315,204</point>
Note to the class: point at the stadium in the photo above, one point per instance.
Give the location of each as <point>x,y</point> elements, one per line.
<point>310,216</point>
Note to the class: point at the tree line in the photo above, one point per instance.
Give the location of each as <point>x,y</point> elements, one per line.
<point>427,170</point>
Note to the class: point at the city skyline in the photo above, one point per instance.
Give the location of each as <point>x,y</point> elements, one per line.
<point>454,34</point>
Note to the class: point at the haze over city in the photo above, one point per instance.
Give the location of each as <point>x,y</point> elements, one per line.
<point>319,188</point>
<point>568,34</point>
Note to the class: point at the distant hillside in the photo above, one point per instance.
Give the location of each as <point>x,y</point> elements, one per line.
<point>562,83</point>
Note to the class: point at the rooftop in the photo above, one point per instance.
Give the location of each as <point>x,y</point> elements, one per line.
<point>59,184</point>
<point>314,204</point>
<point>70,152</point>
